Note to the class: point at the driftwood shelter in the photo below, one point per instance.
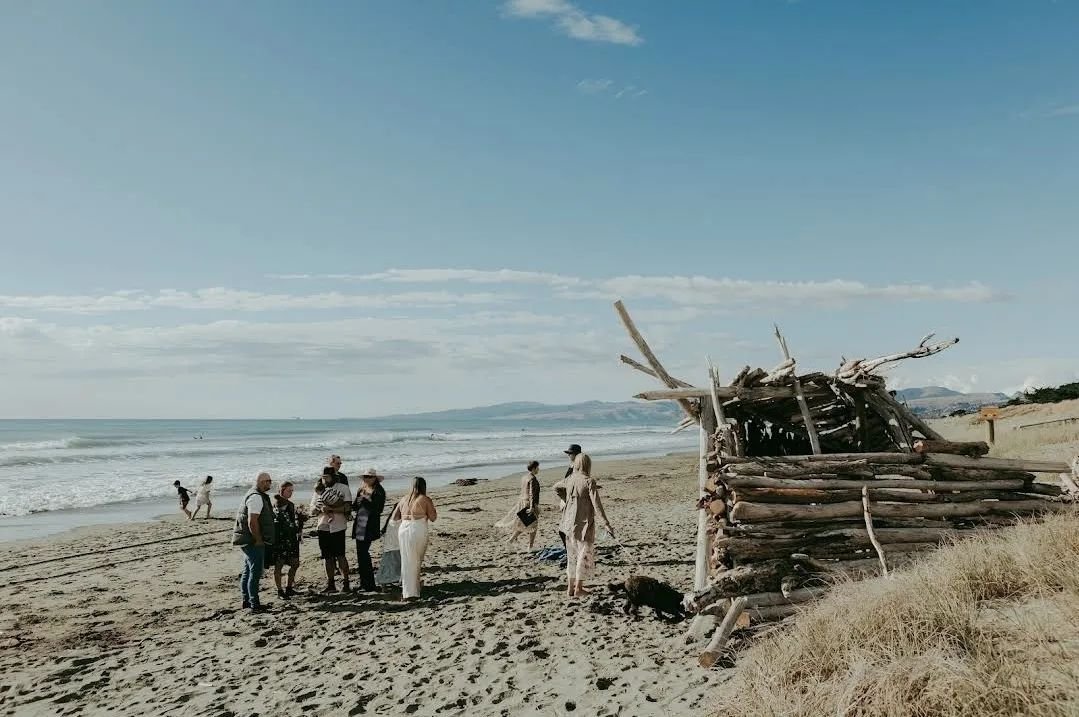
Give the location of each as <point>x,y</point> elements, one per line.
<point>806,477</point>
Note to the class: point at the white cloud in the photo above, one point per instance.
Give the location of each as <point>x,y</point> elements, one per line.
<point>321,349</point>
<point>1063,111</point>
<point>441,276</point>
<point>223,299</point>
<point>1051,112</point>
<point>594,87</point>
<point>706,291</point>
<point>605,86</point>
<point>575,22</point>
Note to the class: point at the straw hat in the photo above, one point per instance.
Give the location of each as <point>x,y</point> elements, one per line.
<point>372,472</point>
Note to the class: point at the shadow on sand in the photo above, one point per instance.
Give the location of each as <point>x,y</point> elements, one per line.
<point>433,594</point>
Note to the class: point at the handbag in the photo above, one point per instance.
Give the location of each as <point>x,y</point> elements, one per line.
<point>526,517</point>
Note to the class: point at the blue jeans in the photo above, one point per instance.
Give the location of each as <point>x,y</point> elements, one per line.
<point>249,579</point>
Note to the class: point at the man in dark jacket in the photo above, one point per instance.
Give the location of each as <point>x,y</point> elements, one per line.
<point>367,526</point>
<point>560,487</point>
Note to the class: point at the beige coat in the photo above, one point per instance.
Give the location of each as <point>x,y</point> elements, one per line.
<point>582,506</point>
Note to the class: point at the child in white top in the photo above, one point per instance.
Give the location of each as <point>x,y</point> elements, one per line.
<point>202,497</point>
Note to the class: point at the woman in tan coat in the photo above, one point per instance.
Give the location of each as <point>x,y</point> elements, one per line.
<point>583,505</point>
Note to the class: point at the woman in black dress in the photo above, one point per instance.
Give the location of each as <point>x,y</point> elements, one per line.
<point>368,506</point>
<point>288,525</point>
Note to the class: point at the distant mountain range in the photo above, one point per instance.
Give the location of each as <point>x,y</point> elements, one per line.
<point>655,412</point>
<point>937,401</point>
<point>929,401</point>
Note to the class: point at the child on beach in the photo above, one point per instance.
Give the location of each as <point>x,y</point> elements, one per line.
<point>202,497</point>
<point>185,498</point>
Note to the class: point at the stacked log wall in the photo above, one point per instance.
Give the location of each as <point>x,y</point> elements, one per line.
<point>784,523</point>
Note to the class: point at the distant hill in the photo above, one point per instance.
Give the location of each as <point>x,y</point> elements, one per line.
<point>658,412</point>
<point>936,401</point>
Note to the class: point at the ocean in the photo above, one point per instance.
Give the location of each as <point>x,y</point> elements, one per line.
<point>59,474</point>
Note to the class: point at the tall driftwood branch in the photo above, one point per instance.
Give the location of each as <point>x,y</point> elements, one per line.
<point>803,406</point>
<point>650,357</point>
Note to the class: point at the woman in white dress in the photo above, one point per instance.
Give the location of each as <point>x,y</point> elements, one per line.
<point>414,511</point>
<point>579,524</point>
<point>527,505</point>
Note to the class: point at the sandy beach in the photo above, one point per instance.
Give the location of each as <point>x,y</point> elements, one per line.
<point>92,626</point>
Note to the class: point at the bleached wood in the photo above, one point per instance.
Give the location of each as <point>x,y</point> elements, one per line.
<point>811,428</point>
<point>934,459</point>
<point>714,649</point>
<point>858,369</point>
<point>745,511</point>
<point>724,393</point>
<point>906,413</point>
<point>971,449</point>
<point>999,464</point>
<point>644,369</point>
<point>649,356</point>
<point>855,484</point>
<point>872,535</point>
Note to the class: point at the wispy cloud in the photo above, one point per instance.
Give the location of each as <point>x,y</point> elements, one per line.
<point>441,276</point>
<point>575,22</point>
<point>594,87</point>
<point>609,87</point>
<point>223,299</point>
<point>1052,111</point>
<point>699,290</point>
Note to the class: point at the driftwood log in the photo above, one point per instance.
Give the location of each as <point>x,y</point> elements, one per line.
<point>750,512</point>
<point>972,449</point>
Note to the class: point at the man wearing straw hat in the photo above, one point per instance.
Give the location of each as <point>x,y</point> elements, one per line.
<point>366,528</point>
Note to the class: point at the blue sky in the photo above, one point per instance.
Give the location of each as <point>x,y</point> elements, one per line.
<point>359,208</point>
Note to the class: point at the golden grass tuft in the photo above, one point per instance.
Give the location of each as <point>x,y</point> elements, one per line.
<point>986,627</point>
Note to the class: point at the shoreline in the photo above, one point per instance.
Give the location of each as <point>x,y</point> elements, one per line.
<point>43,524</point>
<point>88,632</point>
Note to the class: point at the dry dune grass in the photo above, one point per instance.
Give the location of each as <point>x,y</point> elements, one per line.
<point>1055,441</point>
<point>982,628</point>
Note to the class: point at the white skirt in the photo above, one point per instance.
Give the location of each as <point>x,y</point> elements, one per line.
<point>389,563</point>
<point>512,523</point>
<point>412,536</point>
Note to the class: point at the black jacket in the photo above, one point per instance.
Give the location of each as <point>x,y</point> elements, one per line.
<point>372,506</point>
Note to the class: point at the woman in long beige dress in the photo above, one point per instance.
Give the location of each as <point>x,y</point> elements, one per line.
<point>527,503</point>
<point>414,511</point>
<point>579,524</point>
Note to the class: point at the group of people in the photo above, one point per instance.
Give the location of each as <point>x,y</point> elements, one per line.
<point>269,531</point>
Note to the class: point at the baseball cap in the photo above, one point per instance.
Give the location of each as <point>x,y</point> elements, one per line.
<point>574,449</point>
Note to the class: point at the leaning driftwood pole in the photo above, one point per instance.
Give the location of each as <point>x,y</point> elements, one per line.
<point>811,429</point>
<point>872,535</point>
<point>701,623</point>
<point>646,351</point>
<point>644,369</point>
<point>714,650</point>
